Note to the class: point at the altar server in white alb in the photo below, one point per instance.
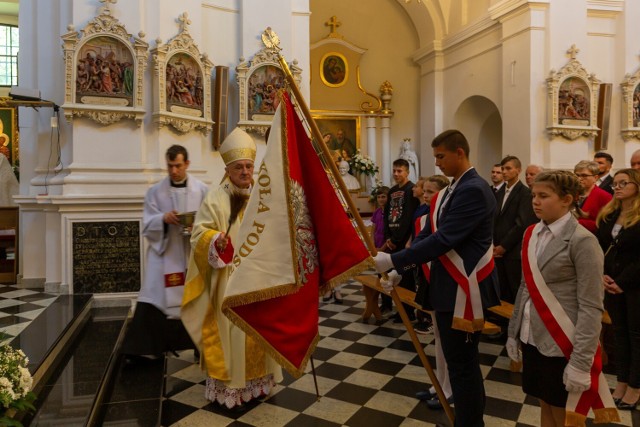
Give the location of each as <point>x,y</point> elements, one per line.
<point>156,325</point>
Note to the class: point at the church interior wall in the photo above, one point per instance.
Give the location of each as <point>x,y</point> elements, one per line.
<point>451,63</point>
<point>105,170</point>
<point>472,70</point>
<point>478,118</point>
<point>461,13</point>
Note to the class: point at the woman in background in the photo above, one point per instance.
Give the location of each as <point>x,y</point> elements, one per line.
<point>619,236</point>
<point>594,198</point>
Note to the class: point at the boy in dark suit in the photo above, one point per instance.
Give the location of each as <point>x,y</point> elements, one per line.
<point>513,216</point>
<point>463,223</point>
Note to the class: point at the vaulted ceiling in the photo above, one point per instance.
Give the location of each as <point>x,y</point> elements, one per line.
<point>435,19</point>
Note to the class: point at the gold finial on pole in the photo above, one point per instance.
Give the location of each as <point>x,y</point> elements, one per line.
<point>271,40</point>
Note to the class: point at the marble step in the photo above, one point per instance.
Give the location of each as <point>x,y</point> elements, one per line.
<point>135,398</point>
<point>71,391</point>
<point>48,336</point>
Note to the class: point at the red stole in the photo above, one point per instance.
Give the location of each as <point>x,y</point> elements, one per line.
<point>562,330</point>
<point>467,314</point>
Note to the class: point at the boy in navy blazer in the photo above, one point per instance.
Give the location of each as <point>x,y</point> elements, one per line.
<point>464,224</point>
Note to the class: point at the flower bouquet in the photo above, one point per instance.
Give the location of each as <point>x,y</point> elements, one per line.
<point>15,385</point>
<point>374,192</point>
<point>363,165</point>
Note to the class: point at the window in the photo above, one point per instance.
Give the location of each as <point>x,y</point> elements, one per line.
<point>8,55</point>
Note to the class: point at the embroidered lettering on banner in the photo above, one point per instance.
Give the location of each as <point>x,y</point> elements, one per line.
<point>253,238</point>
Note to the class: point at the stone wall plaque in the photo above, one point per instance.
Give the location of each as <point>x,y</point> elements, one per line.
<point>106,256</point>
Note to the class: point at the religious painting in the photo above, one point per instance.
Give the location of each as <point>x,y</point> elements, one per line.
<point>573,94</point>
<point>105,72</point>
<point>334,69</point>
<point>263,85</point>
<point>636,106</point>
<point>340,134</point>
<point>259,79</point>
<point>573,102</point>
<point>9,134</point>
<point>184,84</point>
<point>631,107</point>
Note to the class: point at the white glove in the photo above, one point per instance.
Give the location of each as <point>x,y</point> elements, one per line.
<point>394,279</point>
<point>513,349</point>
<point>383,262</point>
<point>575,379</point>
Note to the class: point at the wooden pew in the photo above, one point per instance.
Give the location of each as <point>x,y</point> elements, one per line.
<point>372,287</point>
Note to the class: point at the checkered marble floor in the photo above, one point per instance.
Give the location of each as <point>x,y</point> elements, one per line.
<point>18,307</point>
<point>367,374</point>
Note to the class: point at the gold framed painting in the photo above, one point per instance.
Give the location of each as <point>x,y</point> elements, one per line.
<point>9,145</point>
<point>334,69</point>
<point>341,134</point>
<point>631,110</point>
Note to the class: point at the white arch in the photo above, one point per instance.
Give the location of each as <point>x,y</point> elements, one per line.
<point>478,118</point>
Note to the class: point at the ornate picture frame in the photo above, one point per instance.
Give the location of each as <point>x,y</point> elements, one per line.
<point>258,81</point>
<point>631,110</point>
<point>334,69</point>
<point>182,83</point>
<point>9,143</point>
<point>573,98</point>
<point>340,133</point>
<point>104,68</point>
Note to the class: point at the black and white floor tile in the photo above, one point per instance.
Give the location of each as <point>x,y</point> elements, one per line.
<point>18,307</point>
<point>367,375</point>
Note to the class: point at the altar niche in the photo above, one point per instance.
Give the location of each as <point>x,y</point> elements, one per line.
<point>106,256</point>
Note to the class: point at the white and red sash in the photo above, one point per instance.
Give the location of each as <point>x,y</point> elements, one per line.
<point>467,314</point>
<point>419,225</point>
<point>562,330</point>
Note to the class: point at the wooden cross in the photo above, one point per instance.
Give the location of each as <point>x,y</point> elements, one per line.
<point>333,23</point>
<point>573,51</point>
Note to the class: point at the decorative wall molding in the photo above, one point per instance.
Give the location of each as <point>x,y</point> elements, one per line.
<point>615,6</point>
<point>258,81</point>
<point>104,68</point>
<point>573,98</point>
<point>505,7</point>
<point>181,83</point>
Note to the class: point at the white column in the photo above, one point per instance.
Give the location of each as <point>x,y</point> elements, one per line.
<point>371,137</point>
<point>53,260</point>
<point>386,150</point>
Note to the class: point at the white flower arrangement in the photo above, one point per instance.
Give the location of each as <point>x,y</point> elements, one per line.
<point>362,164</point>
<point>374,191</point>
<point>15,384</point>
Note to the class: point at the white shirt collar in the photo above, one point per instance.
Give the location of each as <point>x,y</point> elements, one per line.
<point>557,226</point>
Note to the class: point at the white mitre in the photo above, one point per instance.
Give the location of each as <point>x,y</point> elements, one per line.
<point>238,145</point>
